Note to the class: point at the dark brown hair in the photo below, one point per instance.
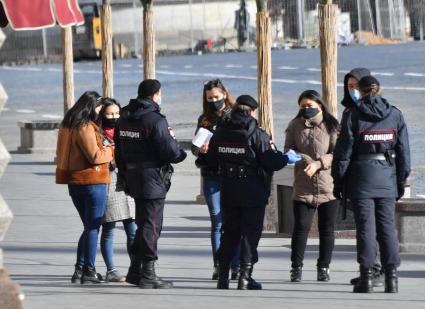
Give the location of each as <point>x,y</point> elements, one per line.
<point>207,113</point>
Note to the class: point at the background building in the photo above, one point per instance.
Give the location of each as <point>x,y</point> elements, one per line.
<point>194,24</point>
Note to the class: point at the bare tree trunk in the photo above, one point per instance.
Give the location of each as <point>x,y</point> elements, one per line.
<point>68,69</point>
<point>148,42</point>
<point>107,59</point>
<point>329,53</point>
<point>265,114</point>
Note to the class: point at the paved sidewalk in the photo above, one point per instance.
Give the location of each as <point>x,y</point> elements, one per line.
<point>40,251</point>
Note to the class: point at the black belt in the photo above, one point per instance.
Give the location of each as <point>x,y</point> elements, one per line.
<point>130,166</point>
<point>237,171</point>
<point>372,156</point>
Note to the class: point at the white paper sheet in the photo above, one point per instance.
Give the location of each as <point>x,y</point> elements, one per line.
<point>202,137</point>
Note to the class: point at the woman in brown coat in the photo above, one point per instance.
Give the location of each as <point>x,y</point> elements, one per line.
<point>83,164</point>
<point>312,134</point>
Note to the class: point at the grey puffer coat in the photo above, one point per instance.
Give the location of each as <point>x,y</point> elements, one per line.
<point>312,140</point>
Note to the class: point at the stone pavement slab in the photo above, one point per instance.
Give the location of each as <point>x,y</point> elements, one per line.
<point>41,244</point>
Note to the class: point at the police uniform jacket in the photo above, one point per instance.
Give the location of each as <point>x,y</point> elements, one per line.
<point>246,160</point>
<point>201,161</point>
<point>374,128</point>
<point>144,148</point>
<point>313,141</point>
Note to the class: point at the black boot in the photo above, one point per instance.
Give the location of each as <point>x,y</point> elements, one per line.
<point>364,285</point>
<point>149,279</point>
<point>323,274</point>
<point>296,274</point>
<point>246,282</point>
<point>391,281</point>
<point>377,280</point>
<point>91,277</point>
<point>235,274</point>
<point>78,273</point>
<point>223,277</point>
<point>134,273</point>
<point>215,272</point>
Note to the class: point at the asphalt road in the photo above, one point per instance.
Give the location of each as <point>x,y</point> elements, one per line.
<point>35,92</point>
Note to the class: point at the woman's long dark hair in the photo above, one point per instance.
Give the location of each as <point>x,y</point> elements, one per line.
<point>83,111</point>
<point>207,113</point>
<point>330,121</point>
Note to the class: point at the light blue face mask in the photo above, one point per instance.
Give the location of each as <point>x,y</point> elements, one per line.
<point>355,95</point>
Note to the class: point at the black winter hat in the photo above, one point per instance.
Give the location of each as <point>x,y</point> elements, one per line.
<point>367,82</point>
<point>247,100</point>
<point>148,88</point>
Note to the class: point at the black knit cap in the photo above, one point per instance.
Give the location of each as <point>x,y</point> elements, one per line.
<point>367,82</point>
<point>247,100</point>
<point>148,88</point>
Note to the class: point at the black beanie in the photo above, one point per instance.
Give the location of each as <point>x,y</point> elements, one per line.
<point>247,100</point>
<point>148,88</point>
<point>367,82</point>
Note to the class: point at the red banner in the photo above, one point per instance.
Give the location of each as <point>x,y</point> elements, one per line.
<point>25,15</point>
<point>68,13</point>
<point>37,14</point>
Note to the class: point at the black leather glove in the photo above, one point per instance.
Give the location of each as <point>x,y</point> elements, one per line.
<point>338,192</point>
<point>400,189</point>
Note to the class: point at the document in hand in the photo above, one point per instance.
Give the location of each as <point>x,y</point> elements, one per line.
<point>202,137</point>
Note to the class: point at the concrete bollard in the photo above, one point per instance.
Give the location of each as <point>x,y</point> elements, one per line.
<point>38,136</point>
<point>10,293</point>
<point>410,220</point>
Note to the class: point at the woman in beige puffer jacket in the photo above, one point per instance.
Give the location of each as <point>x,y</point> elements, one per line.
<point>312,134</point>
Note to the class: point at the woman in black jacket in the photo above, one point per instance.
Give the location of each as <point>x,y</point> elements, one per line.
<point>217,103</point>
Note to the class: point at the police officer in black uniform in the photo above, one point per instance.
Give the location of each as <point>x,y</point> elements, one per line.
<point>246,158</point>
<point>352,99</point>
<point>371,164</point>
<point>144,148</point>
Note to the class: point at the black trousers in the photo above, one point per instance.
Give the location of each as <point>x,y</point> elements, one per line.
<point>241,225</point>
<point>303,215</point>
<point>375,221</point>
<point>149,219</point>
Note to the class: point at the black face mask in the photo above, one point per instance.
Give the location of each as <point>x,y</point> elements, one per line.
<point>217,106</point>
<point>109,122</point>
<point>309,112</point>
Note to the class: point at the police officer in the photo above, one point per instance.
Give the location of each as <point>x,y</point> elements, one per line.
<point>246,157</point>
<point>352,99</point>
<point>144,148</point>
<point>371,164</point>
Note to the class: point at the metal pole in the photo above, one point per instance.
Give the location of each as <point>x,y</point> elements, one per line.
<point>300,20</point>
<point>378,18</point>
<point>44,37</point>
<point>204,27</point>
<point>359,15</point>
<point>191,25</point>
<point>391,14</point>
<point>136,37</point>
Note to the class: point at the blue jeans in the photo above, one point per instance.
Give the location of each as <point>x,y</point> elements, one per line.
<point>90,202</point>
<point>212,196</point>
<point>107,240</point>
